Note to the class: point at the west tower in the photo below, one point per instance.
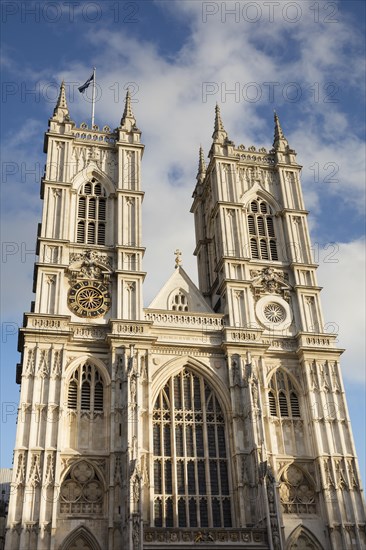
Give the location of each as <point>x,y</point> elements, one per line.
<point>73,433</point>
<point>256,268</point>
<point>217,415</point>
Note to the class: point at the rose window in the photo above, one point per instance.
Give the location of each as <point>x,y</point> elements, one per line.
<point>274,313</point>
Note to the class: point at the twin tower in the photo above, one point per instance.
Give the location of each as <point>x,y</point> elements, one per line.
<point>214,418</point>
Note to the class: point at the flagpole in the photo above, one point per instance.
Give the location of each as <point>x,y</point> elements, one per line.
<point>93,98</point>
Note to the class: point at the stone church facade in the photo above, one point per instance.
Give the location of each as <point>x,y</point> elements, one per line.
<point>216,417</point>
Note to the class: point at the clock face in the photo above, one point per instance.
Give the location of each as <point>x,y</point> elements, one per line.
<point>89,299</point>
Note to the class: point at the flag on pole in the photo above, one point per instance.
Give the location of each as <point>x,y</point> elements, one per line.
<point>86,84</point>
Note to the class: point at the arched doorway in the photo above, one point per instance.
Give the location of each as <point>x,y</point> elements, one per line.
<point>80,539</point>
<point>302,539</point>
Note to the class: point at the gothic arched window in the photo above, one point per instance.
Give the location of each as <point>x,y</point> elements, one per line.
<point>282,396</point>
<point>261,231</point>
<point>91,214</point>
<point>85,390</point>
<point>191,479</point>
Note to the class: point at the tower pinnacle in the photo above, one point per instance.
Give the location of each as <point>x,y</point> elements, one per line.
<point>61,111</point>
<point>220,133</point>
<point>279,142</point>
<point>201,166</point>
<point>128,120</point>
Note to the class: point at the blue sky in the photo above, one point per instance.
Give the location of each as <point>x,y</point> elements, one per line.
<point>306,59</point>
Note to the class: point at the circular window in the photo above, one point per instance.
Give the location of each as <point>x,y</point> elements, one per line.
<point>275,313</point>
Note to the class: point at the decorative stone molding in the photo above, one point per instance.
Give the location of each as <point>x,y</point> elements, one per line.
<point>43,365</point>
<point>270,281</point>
<point>31,363</point>
<point>45,527</point>
<point>297,494</point>
<point>118,469</point>
<point>20,472</point>
<point>314,376</point>
<point>82,491</point>
<point>50,469</point>
<point>352,473</point>
<point>316,340</point>
<point>327,478</point>
<point>341,481</point>
<point>90,265</point>
<point>128,327</point>
<point>17,527</point>
<point>236,370</point>
<point>87,332</point>
<point>185,350</point>
<point>57,364</point>
<point>181,319</point>
<point>203,536</point>
<point>46,322</point>
<point>136,531</point>
<point>35,476</point>
<point>50,279</point>
<point>244,335</point>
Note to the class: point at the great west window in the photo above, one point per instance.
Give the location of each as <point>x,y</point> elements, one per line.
<point>191,478</point>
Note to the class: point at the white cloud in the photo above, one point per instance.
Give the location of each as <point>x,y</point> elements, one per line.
<point>175,119</point>
<point>342,273</point>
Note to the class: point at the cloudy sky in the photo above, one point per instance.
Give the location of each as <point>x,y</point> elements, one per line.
<point>305,59</point>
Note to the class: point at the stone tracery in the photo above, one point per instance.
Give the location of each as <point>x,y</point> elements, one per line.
<point>82,490</point>
<point>297,493</point>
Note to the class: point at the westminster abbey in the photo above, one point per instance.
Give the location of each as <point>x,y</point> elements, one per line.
<point>214,418</point>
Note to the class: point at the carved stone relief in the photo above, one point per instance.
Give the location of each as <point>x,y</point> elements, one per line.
<point>270,281</point>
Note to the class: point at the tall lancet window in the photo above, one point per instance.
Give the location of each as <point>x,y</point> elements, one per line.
<point>85,390</point>
<point>191,478</point>
<point>91,214</point>
<point>261,231</point>
<point>282,396</point>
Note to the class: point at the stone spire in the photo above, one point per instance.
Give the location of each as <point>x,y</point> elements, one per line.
<point>61,111</point>
<point>280,143</point>
<point>201,166</point>
<point>220,134</point>
<point>128,120</point>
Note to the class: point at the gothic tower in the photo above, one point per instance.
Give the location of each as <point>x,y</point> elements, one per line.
<point>255,267</point>
<point>72,459</point>
<point>217,415</point>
